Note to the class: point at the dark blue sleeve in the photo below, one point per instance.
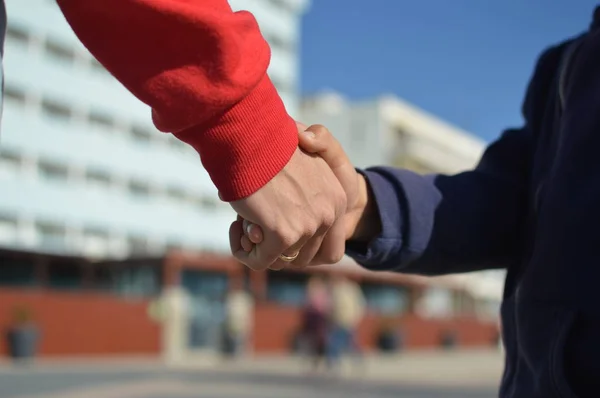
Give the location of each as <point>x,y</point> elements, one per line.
<point>438,224</point>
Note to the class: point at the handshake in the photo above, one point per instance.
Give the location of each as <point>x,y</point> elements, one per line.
<point>308,211</point>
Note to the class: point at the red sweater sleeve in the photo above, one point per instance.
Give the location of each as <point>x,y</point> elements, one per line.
<point>202,69</point>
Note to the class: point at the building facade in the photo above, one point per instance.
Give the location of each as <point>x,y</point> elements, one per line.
<point>82,169</point>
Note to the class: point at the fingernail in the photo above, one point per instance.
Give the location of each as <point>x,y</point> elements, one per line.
<point>309,134</point>
<point>247,227</point>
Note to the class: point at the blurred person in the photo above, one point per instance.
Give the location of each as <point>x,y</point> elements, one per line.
<point>202,69</point>
<point>316,321</point>
<point>347,312</point>
<point>239,320</point>
<point>530,206</point>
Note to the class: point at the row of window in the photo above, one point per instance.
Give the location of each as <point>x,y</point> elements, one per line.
<point>129,281</point>
<point>91,240</point>
<point>290,289</point>
<point>67,56</point>
<point>52,48</point>
<point>12,164</point>
<point>96,119</point>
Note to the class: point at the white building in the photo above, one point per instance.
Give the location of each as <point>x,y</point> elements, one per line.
<point>390,131</point>
<point>82,170</point>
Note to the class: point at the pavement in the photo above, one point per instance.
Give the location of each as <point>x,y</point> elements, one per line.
<point>461,374</point>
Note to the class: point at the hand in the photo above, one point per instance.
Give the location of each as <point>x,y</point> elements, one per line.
<point>361,221</point>
<point>295,210</point>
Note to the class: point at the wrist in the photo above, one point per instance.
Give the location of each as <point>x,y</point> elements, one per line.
<point>367,223</point>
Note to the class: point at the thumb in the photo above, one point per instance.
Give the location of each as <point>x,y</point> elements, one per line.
<point>317,140</point>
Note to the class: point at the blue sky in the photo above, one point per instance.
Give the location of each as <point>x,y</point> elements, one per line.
<point>467,61</point>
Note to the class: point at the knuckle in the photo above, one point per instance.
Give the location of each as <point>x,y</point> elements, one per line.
<point>336,256</point>
<point>319,129</point>
<point>287,240</point>
<point>330,257</point>
<point>310,228</point>
<point>329,219</point>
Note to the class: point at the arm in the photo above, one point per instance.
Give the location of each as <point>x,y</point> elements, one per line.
<point>470,221</point>
<point>444,224</point>
<point>202,69</point>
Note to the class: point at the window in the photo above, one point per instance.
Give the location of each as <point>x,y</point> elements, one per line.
<point>207,203</point>
<point>282,4</point>
<point>17,273</point>
<point>176,194</point>
<point>138,246</point>
<point>100,119</point>
<point>282,85</point>
<point>288,289</point>
<point>53,172</point>
<point>177,144</point>
<point>65,275</point>
<point>173,247</point>
<point>51,236</point>
<point>58,51</point>
<point>279,43</point>
<point>56,111</point>
<point>141,135</point>
<point>17,34</point>
<point>129,281</point>
<point>97,66</point>
<point>97,179</point>
<point>139,189</point>
<point>8,229</point>
<point>207,284</point>
<point>385,299</point>
<point>95,242</point>
<point>10,163</point>
<point>14,95</point>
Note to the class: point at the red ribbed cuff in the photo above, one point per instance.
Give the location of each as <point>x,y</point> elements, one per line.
<point>247,146</point>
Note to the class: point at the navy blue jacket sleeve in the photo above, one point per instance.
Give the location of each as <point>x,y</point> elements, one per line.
<point>438,224</point>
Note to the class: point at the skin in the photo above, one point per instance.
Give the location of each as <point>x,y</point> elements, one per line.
<point>299,210</point>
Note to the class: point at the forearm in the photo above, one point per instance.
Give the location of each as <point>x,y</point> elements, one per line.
<point>202,69</point>
<point>439,224</point>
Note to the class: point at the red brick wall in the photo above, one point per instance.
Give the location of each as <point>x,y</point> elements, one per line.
<point>276,325</point>
<point>83,324</point>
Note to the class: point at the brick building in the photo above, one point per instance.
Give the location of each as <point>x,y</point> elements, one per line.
<point>102,308</point>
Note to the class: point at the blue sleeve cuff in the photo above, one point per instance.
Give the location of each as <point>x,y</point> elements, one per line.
<point>381,253</point>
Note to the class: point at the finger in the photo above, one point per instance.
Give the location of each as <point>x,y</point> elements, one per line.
<point>291,251</point>
<point>236,233</point>
<point>318,140</point>
<point>276,266</point>
<point>253,232</point>
<point>273,245</point>
<point>247,245</point>
<point>310,250</point>
<point>333,246</point>
<point>301,126</point>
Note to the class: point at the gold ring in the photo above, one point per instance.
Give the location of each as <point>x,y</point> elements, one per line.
<point>289,259</point>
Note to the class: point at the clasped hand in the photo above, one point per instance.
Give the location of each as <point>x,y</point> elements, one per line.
<point>305,214</point>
